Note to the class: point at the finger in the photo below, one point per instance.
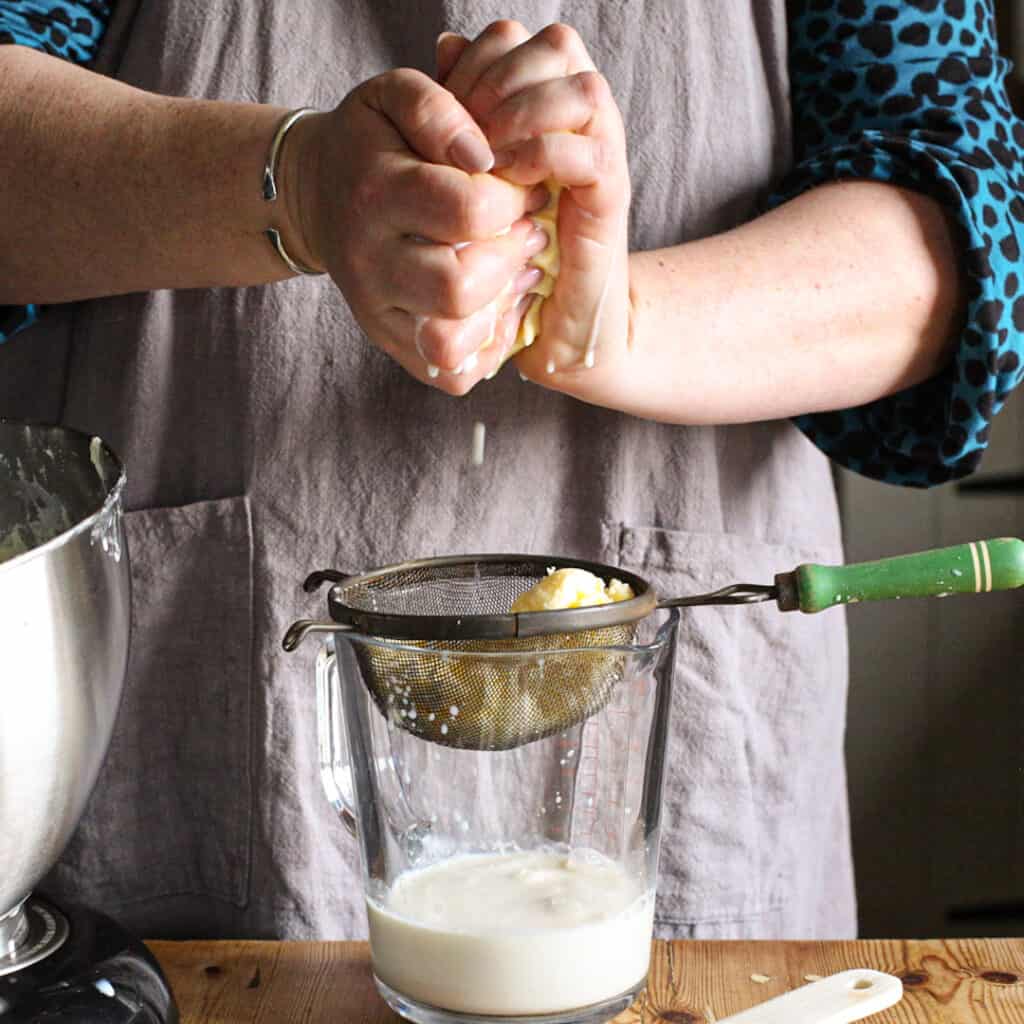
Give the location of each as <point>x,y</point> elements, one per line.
<point>554,52</point>
<point>403,336</point>
<point>444,205</point>
<point>438,280</point>
<point>495,354</point>
<point>594,264</point>
<point>511,320</point>
<point>450,48</point>
<point>433,123</point>
<point>594,169</point>
<point>559,104</point>
<point>493,43</point>
<point>489,339</point>
<point>394,339</point>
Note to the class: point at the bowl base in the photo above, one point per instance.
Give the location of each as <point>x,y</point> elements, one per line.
<point>422,1013</point>
<point>37,930</point>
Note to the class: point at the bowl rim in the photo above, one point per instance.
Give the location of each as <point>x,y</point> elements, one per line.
<point>111,498</point>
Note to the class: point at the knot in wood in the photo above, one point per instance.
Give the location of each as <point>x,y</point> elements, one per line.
<point>914,978</point>
<point>1000,977</point>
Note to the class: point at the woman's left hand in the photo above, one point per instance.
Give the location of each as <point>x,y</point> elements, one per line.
<point>549,115</point>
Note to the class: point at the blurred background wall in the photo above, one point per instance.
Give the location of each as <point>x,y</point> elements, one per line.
<point>936,729</point>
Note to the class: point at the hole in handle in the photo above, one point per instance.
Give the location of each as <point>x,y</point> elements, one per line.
<point>863,984</point>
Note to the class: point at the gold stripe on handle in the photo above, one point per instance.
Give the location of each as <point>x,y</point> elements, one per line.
<point>977,568</point>
<point>988,566</point>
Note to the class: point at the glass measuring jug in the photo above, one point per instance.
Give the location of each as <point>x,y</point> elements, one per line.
<point>503,884</point>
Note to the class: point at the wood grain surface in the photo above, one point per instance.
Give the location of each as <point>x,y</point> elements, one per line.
<point>963,981</point>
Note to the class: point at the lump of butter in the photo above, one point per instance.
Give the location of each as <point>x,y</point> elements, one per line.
<point>548,261</point>
<point>571,588</point>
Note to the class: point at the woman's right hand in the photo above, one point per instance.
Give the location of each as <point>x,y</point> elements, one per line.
<point>379,193</point>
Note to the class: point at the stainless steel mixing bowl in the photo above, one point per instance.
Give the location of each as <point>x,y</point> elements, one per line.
<point>64,622</point>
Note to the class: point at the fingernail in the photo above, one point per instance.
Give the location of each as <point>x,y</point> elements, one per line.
<point>469,363</point>
<point>526,279</point>
<point>536,241</point>
<point>433,372</point>
<point>537,199</point>
<point>442,37</point>
<point>504,158</point>
<point>550,368</point>
<point>470,152</point>
<point>523,377</point>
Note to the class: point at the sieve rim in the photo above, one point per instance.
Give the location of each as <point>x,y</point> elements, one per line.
<point>492,626</point>
<point>650,647</point>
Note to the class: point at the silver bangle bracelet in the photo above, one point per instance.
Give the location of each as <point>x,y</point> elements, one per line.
<point>270,188</point>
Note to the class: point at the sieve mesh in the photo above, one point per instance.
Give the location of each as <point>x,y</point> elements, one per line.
<point>461,588</point>
<point>481,691</point>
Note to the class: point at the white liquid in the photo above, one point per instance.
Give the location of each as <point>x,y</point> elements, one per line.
<point>513,933</point>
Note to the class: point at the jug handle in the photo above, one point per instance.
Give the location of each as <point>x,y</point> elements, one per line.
<point>333,748</point>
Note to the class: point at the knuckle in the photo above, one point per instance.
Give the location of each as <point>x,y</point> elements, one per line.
<point>506,29</point>
<point>441,299</point>
<point>404,78</point>
<point>561,37</point>
<point>593,87</point>
<point>605,158</point>
<point>419,180</point>
<point>454,386</point>
<point>367,193</point>
<point>430,110</point>
<point>488,93</point>
<point>471,215</point>
<point>443,347</point>
<point>456,293</point>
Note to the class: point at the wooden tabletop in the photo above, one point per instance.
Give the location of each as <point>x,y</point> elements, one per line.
<point>962,981</point>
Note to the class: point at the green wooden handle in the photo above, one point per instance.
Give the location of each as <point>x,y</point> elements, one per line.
<point>975,568</point>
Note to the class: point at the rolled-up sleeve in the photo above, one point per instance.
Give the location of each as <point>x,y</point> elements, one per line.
<point>62,28</point>
<point>913,93</point>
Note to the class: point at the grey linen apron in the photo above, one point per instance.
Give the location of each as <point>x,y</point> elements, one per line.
<point>264,437</point>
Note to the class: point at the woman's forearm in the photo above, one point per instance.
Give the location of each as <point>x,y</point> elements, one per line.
<point>846,294</point>
<point>105,189</point>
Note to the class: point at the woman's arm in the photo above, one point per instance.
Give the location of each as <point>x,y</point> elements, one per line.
<point>846,294</point>
<point>107,189</point>
<point>63,28</point>
<point>885,312</point>
<point>914,95</point>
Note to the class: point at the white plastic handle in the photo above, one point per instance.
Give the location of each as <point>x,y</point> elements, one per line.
<point>839,999</point>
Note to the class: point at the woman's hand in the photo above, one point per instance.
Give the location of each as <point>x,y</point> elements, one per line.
<point>380,191</point>
<point>548,114</point>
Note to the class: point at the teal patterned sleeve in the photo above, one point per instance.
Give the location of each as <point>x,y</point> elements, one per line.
<point>913,93</point>
<point>61,28</point>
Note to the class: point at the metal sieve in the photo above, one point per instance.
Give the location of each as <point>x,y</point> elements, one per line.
<point>436,635</point>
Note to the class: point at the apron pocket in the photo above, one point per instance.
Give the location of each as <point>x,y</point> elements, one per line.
<point>171,812</point>
<point>755,775</point>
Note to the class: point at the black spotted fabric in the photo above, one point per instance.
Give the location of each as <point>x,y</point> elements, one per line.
<point>913,93</point>
<point>71,29</point>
